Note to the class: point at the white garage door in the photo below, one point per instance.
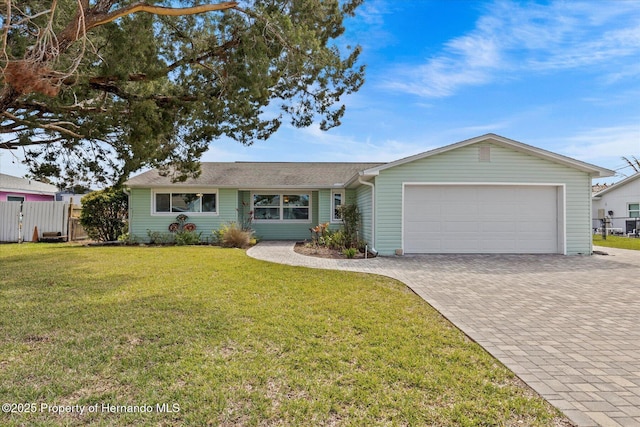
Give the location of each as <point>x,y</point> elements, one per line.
<point>480,219</point>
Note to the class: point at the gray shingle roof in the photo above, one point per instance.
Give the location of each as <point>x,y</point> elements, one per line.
<point>261,175</point>
<point>11,183</point>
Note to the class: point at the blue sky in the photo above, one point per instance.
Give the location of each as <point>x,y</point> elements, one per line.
<point>563,76</point>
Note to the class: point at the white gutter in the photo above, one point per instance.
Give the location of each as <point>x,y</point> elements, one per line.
<point>373,213</point>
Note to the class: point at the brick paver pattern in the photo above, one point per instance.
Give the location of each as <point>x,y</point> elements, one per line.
<point>569,326</point>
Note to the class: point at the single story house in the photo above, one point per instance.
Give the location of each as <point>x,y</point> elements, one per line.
<point>14,189</point>
<point>488,194</point>
<point>619,204</point>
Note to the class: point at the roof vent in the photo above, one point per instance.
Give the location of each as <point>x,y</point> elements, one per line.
<point>484,153</point>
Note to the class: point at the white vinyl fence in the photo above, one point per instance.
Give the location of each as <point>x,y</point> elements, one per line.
<point>19,220</point>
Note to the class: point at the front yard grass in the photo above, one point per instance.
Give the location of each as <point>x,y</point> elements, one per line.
<point>208,336</point>
<point>617,242</point>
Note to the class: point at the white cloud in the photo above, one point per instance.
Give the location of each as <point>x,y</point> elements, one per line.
<point>515,38</point>
<point>349,148</point>
<point>604,146</point>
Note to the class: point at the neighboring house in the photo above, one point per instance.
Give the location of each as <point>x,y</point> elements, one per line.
<point>488,194</point>
<point>597,187</point>
<point>70,197</point>
<point>619,204</point>
<point>14,189</point>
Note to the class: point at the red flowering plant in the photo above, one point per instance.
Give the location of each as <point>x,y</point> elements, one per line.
<point>185,231</point>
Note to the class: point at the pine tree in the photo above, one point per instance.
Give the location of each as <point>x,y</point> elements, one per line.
<point>100,89</point>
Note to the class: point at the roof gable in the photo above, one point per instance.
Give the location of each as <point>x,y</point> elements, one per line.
<point>618,184</point>
<point>502,141</point>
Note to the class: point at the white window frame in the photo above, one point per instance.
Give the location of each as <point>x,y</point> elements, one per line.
<point>333,206</point>
<point>636,211</point>
<point>281,206</point>
<point>172,191</point>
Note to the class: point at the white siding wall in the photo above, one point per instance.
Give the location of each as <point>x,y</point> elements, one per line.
<point>617,200</point>
<point>463,165</point>
<point>9,221</point>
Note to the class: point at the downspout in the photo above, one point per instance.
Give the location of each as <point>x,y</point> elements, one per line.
<point>373,213</point>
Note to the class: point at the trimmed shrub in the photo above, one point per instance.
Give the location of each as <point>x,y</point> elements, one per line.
<point>184,238</point>
<point>158,238</point>
<point>104,214</point>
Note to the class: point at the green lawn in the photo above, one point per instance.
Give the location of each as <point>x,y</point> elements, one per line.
<point>617,242</point>
<point>223,339</point>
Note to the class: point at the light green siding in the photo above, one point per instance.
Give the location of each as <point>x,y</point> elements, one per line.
<point>463,165</point>
<point>325,205</point>
<point>283,230</point>
<point>363,200</point>
<point>233,206</point>
<point>141,218</point>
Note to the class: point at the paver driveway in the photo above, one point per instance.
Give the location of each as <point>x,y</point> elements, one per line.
<point>569,326</point>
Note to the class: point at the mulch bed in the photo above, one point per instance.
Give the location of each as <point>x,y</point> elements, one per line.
<point>306,248</point>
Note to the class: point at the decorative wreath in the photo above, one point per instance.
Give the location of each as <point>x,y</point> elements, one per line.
<point>189,226</point>
<point>174,227</point>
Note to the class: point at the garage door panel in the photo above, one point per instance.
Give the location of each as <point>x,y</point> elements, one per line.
<point>533,209</point>
<point>458,209</point>
<point>501,244</point>
<point>498,227</point>
<point>480,219</point>
<point>429,243</point>
<point>459,226</point>
<point>502,210</point>
<point>538,227</point>
<point>471,246</point>
<point>423,227</point>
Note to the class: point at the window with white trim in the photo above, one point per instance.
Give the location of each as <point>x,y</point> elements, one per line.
<point>337,200</point>
<point>634,210</point>
<point>185,202</point>
<point>281,207</point>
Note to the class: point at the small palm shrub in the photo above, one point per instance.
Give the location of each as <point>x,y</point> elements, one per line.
<point>350,252</point>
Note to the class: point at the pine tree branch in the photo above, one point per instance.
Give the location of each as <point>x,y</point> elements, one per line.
<point>159,10</point>
<point>57,126</point>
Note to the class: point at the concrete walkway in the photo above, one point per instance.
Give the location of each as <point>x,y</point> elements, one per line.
<point>569,326</point>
